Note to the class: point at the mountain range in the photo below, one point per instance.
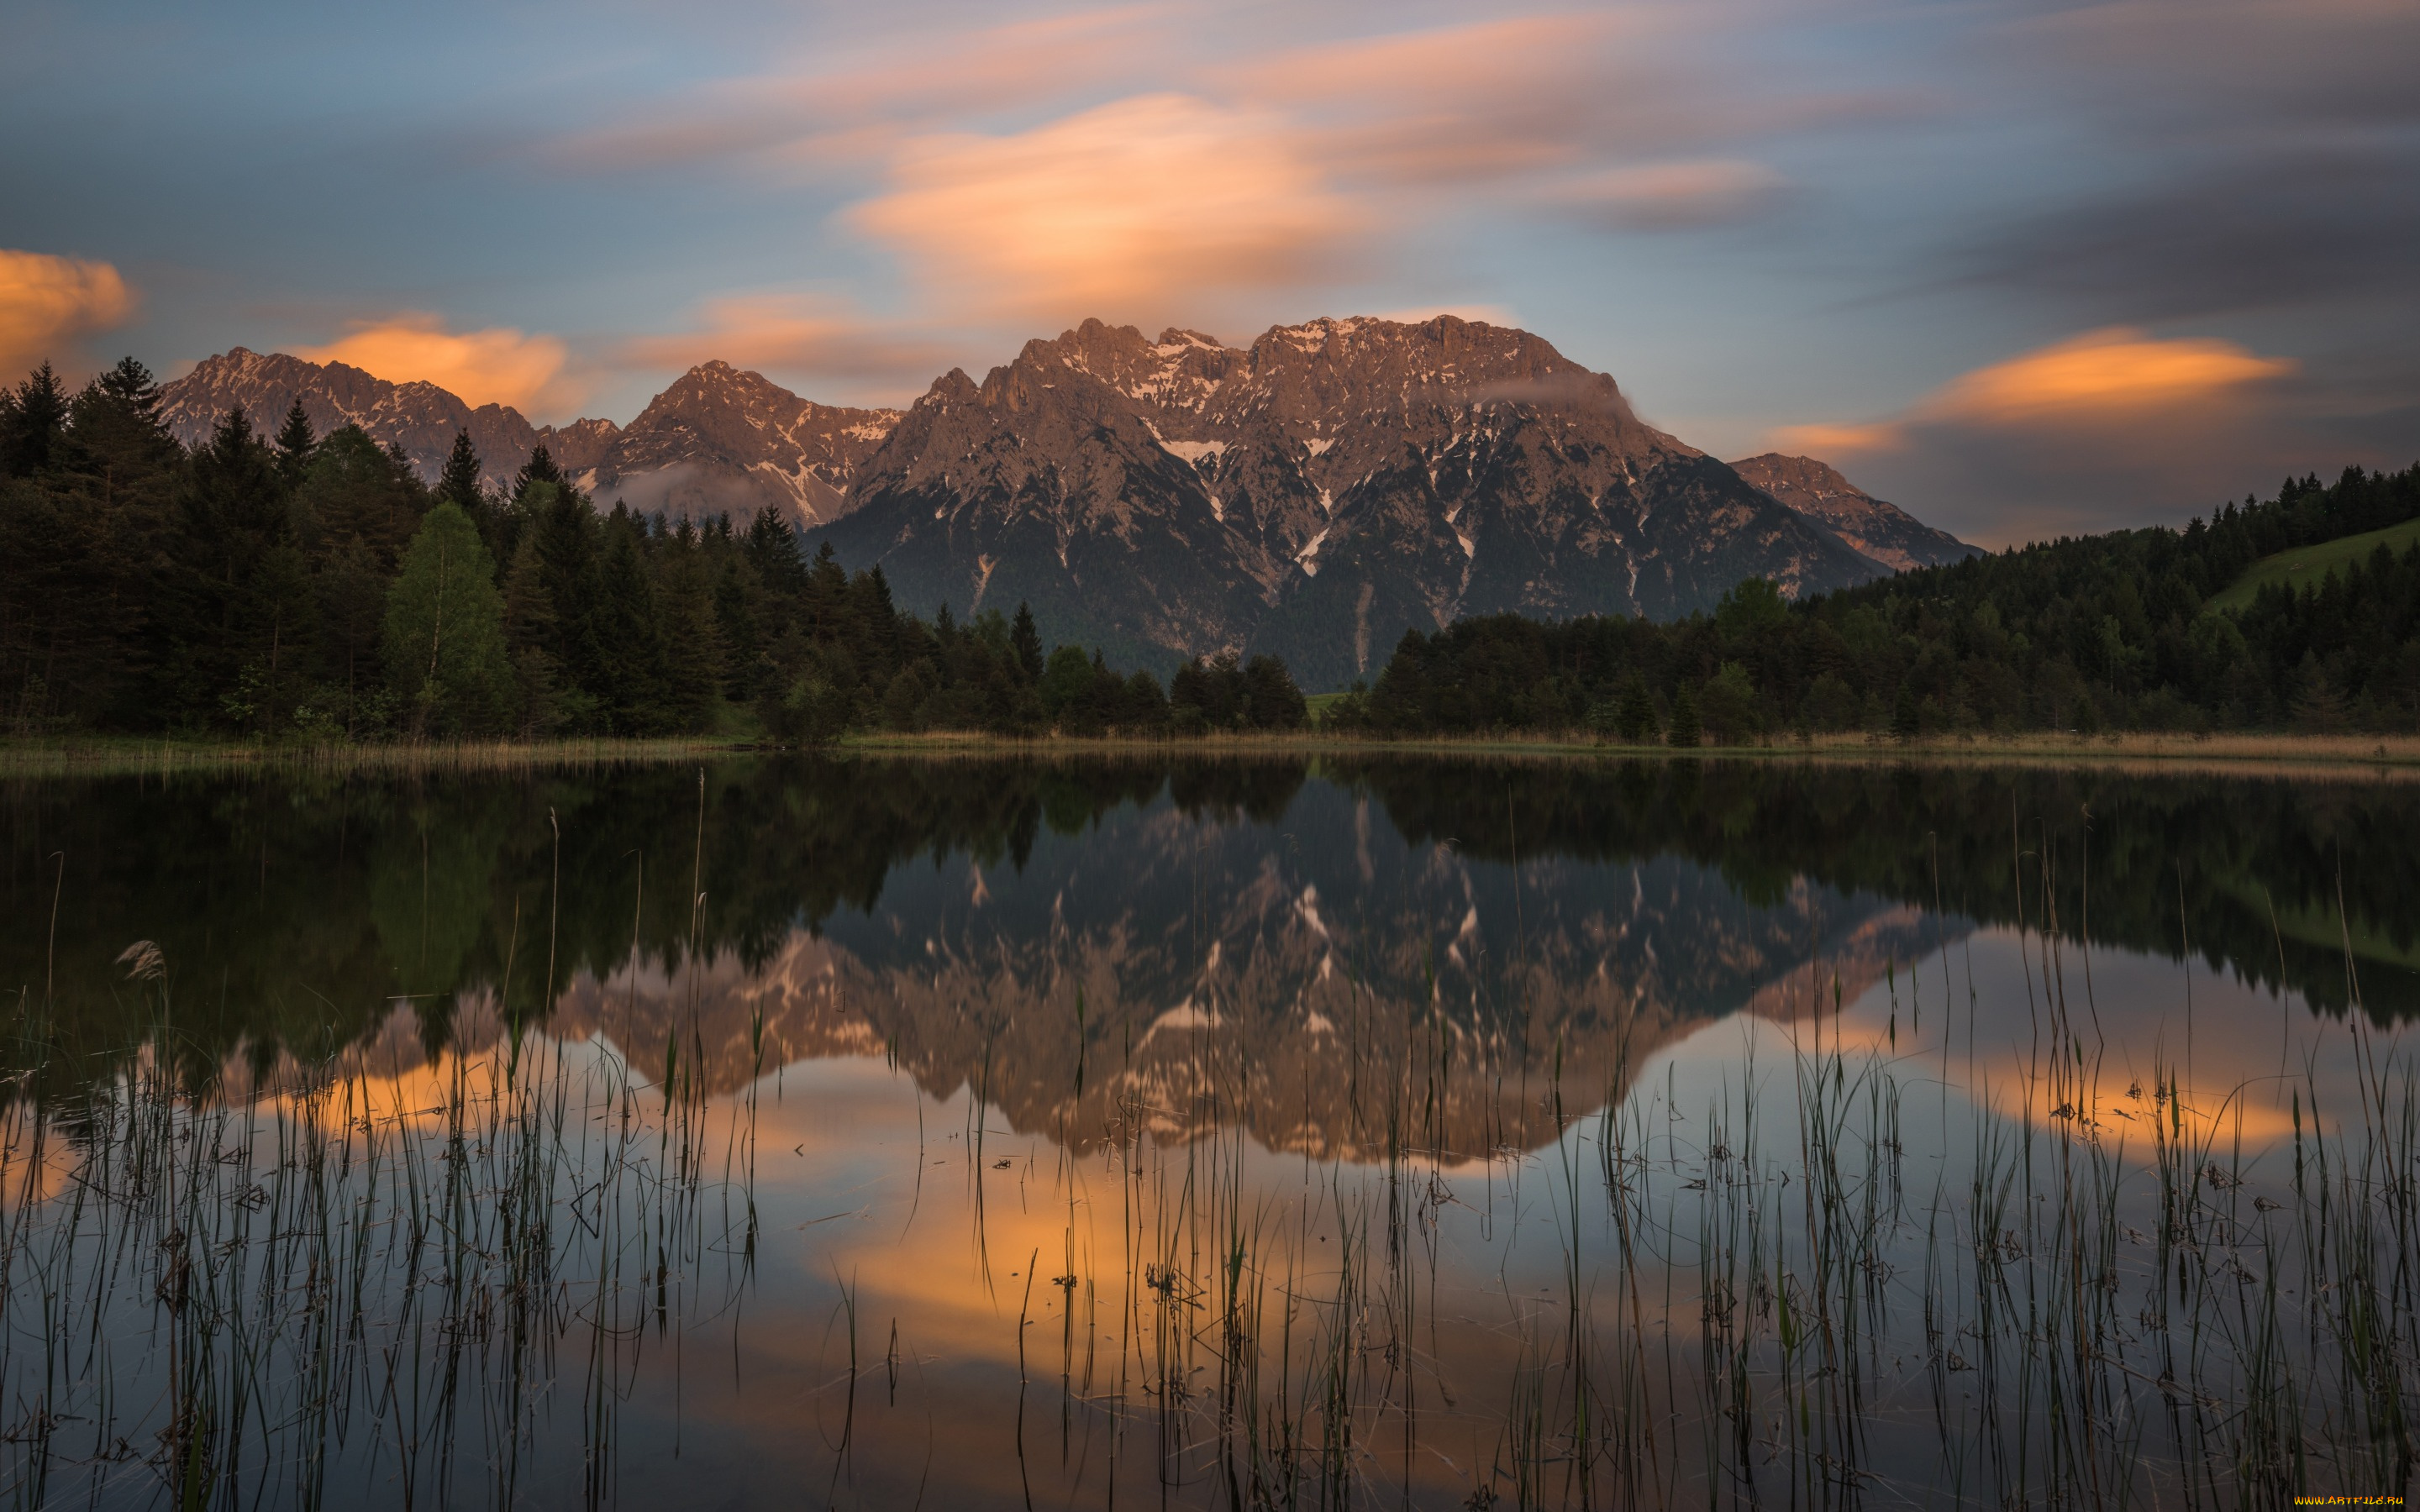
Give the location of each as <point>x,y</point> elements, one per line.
<point>1315,493</point>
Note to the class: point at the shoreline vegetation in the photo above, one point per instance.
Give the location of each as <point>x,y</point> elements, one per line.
<point>2281,754</point>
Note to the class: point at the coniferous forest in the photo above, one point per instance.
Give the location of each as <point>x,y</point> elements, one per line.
<point>2088,634</point>
<point>289,586</point>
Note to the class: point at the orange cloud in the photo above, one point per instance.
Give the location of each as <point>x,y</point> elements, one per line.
<point>2092,374</point>
<point>1119,209</point>
<point>2110,427</point>
<point>498,365</point>
<point>47,303</point>
<point>1835,440</point>
<point>2116,376</point>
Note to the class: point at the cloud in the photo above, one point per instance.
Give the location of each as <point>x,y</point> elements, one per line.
<point>2284,226</point>
<point>2114,375</point>
<point>1670,196</point>
<point>868,99</point>
<point>1131,208</point>
<point>498,365</point>
<point>798,336</point>
<point>2113,427</point>
<point>47,303</point>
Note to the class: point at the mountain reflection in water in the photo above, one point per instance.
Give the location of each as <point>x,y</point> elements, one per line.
<point>1217,939</point>
<point>999,1132</point>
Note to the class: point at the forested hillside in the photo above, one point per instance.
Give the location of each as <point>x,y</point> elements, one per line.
<point>298,587</point>
<point>2100,631</point>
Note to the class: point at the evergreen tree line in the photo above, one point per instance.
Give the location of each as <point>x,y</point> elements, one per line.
<point>2090,633</point>
<point>303,587</point>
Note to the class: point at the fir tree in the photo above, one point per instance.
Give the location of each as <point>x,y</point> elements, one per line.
<point>563,530</point>
<point>1636,717</point>
<point>539,468</point>
<point>629,643</point>
<point>130,383</point>
<point>1026,642</point>
<point>31,419</point>
<point>295,441</point>
<point>692,639</point>
<point>460,480</point>
<point>1685,732</point>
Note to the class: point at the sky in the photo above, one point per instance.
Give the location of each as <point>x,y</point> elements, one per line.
<point>2026,268</point>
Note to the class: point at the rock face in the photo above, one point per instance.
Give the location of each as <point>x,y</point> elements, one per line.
<point>717,439</point>
<point>1884,532</point>
<point>421,418</point>
<point>723,440</point>
<point>1316,494</point>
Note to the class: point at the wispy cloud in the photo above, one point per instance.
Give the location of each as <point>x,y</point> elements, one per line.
<point>48,304</point>
<point>1132,209</point>
<point>497,365</point>
<point>1685,196</point>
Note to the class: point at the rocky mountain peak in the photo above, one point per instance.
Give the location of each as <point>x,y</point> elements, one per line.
<point>722,439</point>
<point>1882,531</point>
<point>1315,492</point>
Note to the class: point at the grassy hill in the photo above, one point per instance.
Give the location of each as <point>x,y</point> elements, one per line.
<point>2308,564</point>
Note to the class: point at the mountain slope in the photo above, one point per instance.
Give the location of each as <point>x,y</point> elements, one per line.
<point>717,439</point>
<point>720,440</point>
<point>1316,494</point>
<point>421,418</point>
<point>1884,532</point>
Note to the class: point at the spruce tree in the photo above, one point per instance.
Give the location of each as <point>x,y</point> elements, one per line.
<point>460,480</point>
<point>1026,642</point>
<point>539,468</point>
<point>1685,732</point>
<point>1636,718</point>
<point>131,384</point>
<point>444,640</point>
<point>564,531</point>
<point>692,639</point>
<point>295,441</point>
<point>237,609</point>
<point>630,642</point>
<point>773,551</point>
<point>31,419</point>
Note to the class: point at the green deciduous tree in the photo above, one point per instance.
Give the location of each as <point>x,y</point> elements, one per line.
<point>444,639</point>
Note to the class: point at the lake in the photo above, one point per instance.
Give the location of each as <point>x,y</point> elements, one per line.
<point>1171,1130</point>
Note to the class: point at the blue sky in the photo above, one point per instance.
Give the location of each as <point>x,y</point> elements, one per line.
<point>2026,268</point>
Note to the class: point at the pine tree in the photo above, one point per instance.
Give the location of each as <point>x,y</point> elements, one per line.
<point>563,530</point>
<point>1685,732</point>
<point>773,551</point>
<point>629,642</point>
<point>444,639</point>
<point>295,441</point>
<point>130,383</point>
<point>1026,642</point>
<point>460,480</point>
<point>693,640</point>
<point>237,614</point>
<point>539,468</point>
<point>31,419</point>
<point>1636,718</point>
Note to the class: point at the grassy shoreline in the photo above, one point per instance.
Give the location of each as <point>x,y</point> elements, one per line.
<point>2397,756</point>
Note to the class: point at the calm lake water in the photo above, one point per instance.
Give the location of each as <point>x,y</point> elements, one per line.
<point>1402,1133</point>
